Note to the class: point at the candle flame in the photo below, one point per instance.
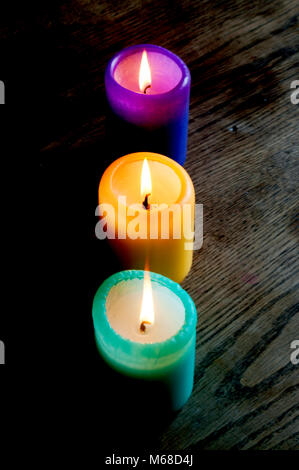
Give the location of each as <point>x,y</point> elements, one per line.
<point>146,180</point>
<point>147,313</point>
<point>145,79</point>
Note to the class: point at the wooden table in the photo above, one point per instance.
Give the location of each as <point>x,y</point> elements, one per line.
<point>243,159</point>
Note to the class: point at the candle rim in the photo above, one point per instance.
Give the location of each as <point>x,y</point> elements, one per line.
<point>116,59</point>
<point>169,347</point>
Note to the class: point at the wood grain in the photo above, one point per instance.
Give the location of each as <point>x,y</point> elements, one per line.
<point>243,159</point>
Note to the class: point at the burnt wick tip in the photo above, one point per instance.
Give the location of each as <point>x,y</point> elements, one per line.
<point>144,91</point>
<point>146,203</point>
<point>143,326</point>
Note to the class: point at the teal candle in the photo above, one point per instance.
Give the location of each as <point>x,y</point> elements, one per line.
<point>145,329</point>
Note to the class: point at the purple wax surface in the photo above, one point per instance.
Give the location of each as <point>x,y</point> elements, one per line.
<point>154,121</point>
<point>165,72</point>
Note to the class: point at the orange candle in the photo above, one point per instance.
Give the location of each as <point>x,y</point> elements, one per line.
<point>146,208</point>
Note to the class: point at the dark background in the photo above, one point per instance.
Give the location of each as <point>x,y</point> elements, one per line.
<point>243,159</point>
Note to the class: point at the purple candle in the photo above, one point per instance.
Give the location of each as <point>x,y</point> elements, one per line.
<point>148,90</point>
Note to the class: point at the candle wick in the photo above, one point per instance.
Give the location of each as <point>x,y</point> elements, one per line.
<point>146,203</point>
<point>144,91</point>
<point>143,327</point>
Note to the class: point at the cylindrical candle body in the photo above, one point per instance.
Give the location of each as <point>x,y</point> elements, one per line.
<point>166,366</point>
<point>155,121</point>
<point>169,253</point>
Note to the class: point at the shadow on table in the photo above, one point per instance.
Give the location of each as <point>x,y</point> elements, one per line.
<point>132,414</point>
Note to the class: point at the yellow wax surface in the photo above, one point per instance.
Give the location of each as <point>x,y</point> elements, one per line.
<point>166,183</point>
